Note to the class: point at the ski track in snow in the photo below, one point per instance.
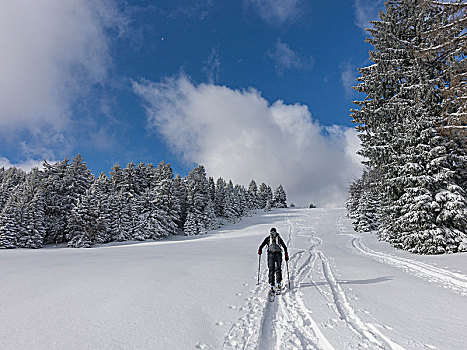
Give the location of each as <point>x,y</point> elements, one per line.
<point>367,332</point>
<point>453,281</point>
<point>287,323</point>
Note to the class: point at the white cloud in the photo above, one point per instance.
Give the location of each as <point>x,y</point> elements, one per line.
<point>286,59</point>
<point>349,74</point>
<point>212,66</point>
<point>366,11</point>
<point>52,52</point>
<point>237,134</point>
<point>276,12</point>
<point>25,165</point>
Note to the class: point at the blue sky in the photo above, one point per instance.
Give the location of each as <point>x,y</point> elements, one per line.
<point>249,88</point>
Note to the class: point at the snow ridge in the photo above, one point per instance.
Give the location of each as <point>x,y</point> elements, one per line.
<point>454,281</point>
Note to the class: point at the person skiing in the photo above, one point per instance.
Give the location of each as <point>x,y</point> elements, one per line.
<point>274,243</point>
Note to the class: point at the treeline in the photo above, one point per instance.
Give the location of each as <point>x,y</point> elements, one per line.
<point>412,125</point>
<point>65,203</point>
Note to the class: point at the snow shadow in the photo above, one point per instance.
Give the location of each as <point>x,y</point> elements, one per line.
<point>367,281</point>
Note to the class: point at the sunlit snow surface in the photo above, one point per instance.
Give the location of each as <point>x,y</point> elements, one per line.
<point>348,291</point>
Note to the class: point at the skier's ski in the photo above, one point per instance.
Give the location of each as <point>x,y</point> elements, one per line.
<point>271,295</point>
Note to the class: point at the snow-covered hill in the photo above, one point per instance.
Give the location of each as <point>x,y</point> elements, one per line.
<point>348,291</point>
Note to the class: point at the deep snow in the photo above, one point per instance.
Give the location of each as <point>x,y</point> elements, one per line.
<point>349,291</point>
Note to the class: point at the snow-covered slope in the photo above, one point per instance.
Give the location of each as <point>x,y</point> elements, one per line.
<point>348,291</point>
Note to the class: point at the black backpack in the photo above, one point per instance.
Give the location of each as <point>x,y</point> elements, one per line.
<point>274,245</point>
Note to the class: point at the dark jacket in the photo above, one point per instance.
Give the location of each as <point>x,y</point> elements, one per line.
<point>273,248</point>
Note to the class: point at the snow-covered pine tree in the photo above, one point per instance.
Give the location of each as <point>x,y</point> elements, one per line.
<point>262,195</point>
<point>122,203</point>
<point>398,127</point>
<point>270,196</point>
<point>363,204</point>
<point>212,189</point>
<point>63,183</point>
<point>9,228</point>
<point>253,194</point>
<point>116,177</point>
<point>151,218</point>
<point>80,175</point>
<point>448,39</point>
<point>219,203</point>
<point>367,217</point>
<point>11,178</point>
<point>199,204</point>
<point>58,200</point>
<point>268,205</point>
<point>192,225</point>
<point>231,207</point>
<point>280,198</point>
<point>83,223</point>
<point>167,206</point>
<point>141,179</point>
<point>121,223</point>
<point>180,194</point>
<point>355,193</point>
<point>449,43</point>
<point>101,192</point>
<point>89,221</point>
<point>242,198</point>
<point>22,218</point>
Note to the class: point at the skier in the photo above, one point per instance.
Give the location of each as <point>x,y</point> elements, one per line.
<point>274,243</point>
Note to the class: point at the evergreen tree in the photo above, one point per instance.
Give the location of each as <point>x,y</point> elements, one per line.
<point>242,200</point>
<point>151,223</point>
<point>398,127</point>
<point>212,189</point>
<point>180,193</point>
<point>22,218</point>
<point>63,184</point>
<point>167,206</point>
<point>280,198</point>
<point>231,209</point>
<point>263,195</point>
<point>352,203</point>
<point>10,179</point>
<point>253,193</point>
<point>268,205</point>
<point>199,204</point>
<point>90,219</point>
<point>219,201</point>
<point>448,44</point>
<point>83,224</point>
<point>270,196</point>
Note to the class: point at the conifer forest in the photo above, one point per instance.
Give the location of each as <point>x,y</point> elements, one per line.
<point>65,203</point>
<point>413,127</point>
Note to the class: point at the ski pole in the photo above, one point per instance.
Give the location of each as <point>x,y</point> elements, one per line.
<point>288,276</point>
<point>259,266</point>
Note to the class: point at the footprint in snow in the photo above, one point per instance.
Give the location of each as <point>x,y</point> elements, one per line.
<point>389,328</point>
<point>202,346</point>
<point>220,323</point>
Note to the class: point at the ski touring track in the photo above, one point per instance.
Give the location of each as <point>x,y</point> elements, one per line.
<point>287,323</point>
<point>453,281</point>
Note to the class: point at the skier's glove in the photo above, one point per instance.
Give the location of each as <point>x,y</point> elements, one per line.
<point>260,252</point>
<point>286,257</point>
